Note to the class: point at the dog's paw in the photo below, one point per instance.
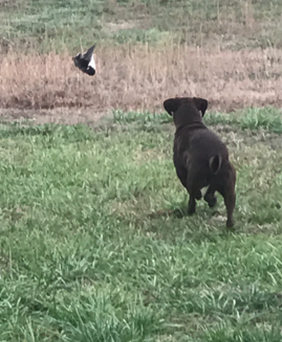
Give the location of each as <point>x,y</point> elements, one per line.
<point>211,200</point>
<point>198,195</point>
<point>191,210</point>
<point>230,223</point>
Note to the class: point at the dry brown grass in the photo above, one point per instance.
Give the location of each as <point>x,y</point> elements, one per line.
<point>141,78</point>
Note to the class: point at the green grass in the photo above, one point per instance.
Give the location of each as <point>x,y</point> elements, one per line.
<point>96,245</point>
<point>53,25</point>
<point>268,118</point>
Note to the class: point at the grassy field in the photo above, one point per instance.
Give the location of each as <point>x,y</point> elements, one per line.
<point>96,244</point>
<point>56,25</point>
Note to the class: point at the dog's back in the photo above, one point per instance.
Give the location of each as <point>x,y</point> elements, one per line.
<point>194,142</point>
<point>201,142</point>
<point>201,151</point>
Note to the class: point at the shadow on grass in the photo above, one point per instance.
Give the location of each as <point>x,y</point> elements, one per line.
<point>176,213</point>
<point>176,226</point>
<point>181,212</point>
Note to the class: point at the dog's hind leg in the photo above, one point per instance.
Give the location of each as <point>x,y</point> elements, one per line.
<point>191,205</point>
<point>180,171</point>
<point>229,195</point>
<point>182,175</point>
<point>229,200</point>
<point>210,197</point>
<point>195,194</point>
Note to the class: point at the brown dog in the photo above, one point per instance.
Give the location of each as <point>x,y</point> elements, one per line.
<point>200,157</point>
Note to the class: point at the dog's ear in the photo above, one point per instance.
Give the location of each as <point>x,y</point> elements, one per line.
<point>201,104</point>
<point>171,105</point>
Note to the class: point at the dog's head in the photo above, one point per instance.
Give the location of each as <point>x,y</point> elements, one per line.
<point>173,104</point>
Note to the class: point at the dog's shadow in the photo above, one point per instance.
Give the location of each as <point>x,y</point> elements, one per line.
<point>207,218</point>
<point>198,227</point>
<point>180,212</point>
<point>175,213</point>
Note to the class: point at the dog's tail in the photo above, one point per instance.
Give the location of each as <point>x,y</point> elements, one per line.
<point>215,163</point>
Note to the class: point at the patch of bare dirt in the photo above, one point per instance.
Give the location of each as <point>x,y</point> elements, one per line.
<point>139,78</point>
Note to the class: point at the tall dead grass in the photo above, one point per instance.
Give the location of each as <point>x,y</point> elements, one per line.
<point>142,77</point>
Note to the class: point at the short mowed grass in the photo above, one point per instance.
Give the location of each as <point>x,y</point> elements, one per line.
<point>96,244</point>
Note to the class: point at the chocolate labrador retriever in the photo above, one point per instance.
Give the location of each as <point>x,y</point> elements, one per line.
<point>200,157</point>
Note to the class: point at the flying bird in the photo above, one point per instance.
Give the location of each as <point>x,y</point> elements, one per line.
<point>86,61</point>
